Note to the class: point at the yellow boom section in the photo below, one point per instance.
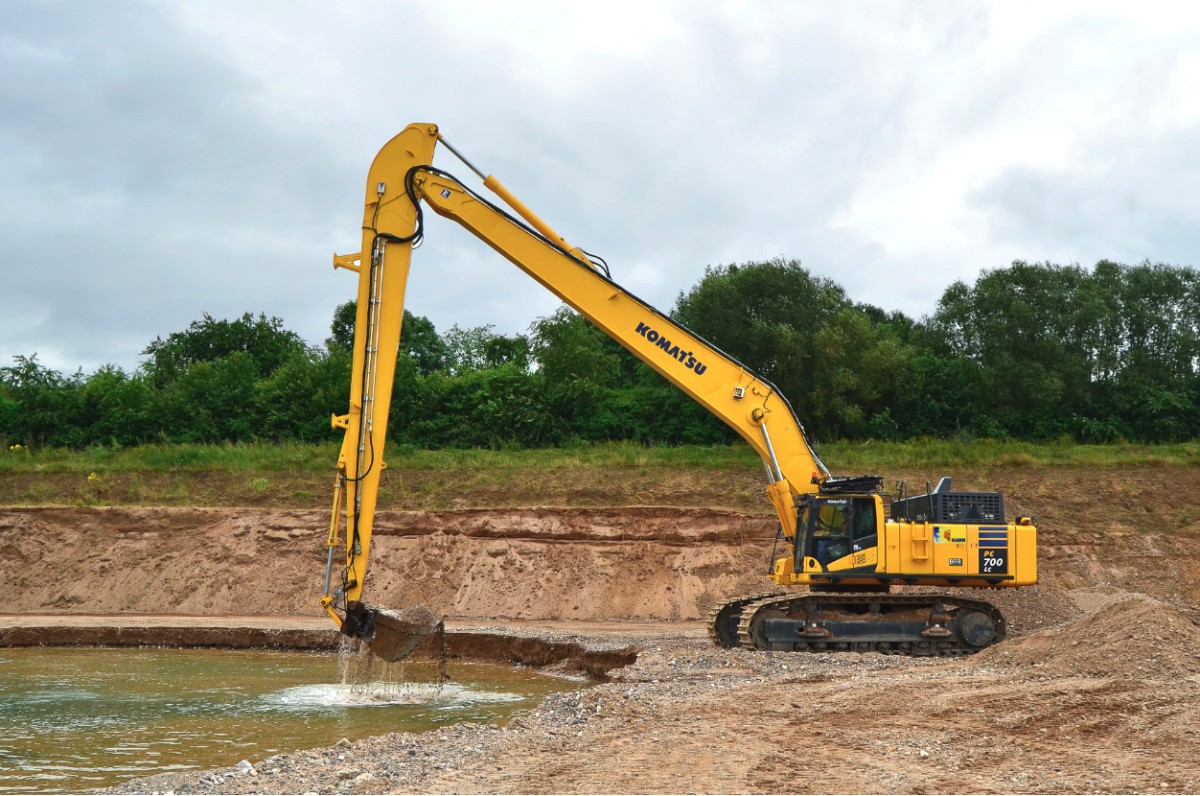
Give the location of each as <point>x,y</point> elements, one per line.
<point>400,178</point>
<point>382,278</point>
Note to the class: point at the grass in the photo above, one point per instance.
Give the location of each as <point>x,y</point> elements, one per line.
<point>231,458</point>
<point>301,476</point>
<point>1004,453</point>
<point>841,457</point>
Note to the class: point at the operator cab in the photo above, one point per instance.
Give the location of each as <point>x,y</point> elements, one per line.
<point>833,527</point>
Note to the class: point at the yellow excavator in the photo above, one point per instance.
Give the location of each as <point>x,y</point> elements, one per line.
<point>844,538</point>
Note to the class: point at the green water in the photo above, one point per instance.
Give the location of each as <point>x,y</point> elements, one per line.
<point>73,719</point>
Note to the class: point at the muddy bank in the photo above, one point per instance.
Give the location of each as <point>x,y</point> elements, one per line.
<point>521,646</point>
<point>1136,529</point>
<point>1096,689</point>
<point>109,635</point>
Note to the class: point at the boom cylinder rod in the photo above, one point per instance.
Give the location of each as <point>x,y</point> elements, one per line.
<point>328,569</point>
<point>331,538</point>
<point>532,218</point>
<point>460,156</point>
<point>517,205</point>
<point>771,450</point>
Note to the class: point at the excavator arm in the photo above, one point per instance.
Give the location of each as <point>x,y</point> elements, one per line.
<point>401,180</point>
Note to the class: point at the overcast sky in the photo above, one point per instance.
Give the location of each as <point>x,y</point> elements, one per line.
<point>162,160</point>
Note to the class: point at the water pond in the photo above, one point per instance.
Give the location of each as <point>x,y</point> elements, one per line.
<point>73,719</point>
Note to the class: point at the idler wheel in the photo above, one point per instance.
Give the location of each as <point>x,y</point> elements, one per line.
<point>758,629</point>
<point>725,625</point>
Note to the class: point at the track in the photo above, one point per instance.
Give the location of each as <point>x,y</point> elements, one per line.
<point>917,624</point>
<point>723,619</point>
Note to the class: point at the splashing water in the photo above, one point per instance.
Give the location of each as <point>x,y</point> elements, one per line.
<point>446,695</point>
<point>366,678</point>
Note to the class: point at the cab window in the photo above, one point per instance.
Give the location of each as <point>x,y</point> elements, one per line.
<point>864,533</point>
<point>831,530</point>
<point>841,526</point>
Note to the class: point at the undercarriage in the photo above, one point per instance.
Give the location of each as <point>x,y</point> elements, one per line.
<point>902,624</point>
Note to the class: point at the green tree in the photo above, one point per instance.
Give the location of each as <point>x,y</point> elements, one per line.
<point>466,348</point>
<point>601,392</point>
<point>263,340</point>
<point>341,329</point>
<point>421,342</point>
<point>116,408</point>
<point>42,403</point>
<point>1155,341</point>
<point>577,368</point>
<point>419,339</point>
<point>1061,350</point>
<point>211,401</point>
<point>504,350</point>
<point>858,369</point>
<point>767,315</point>
<point>490,407</point>
<point>10,409</point>
<point>298,398</point>
<point>941,396</point>
<point>1032,329</point>
<point>1159,308</point>
<point>567,346</point>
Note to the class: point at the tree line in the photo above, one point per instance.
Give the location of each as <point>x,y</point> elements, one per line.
<point>1032,351</point>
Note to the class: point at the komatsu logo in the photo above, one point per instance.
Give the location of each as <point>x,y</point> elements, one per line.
<point>682,355</point>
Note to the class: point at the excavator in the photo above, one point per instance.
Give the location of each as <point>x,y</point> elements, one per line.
<point>849,548</point>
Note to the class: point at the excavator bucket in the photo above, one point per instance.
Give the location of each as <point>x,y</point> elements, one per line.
<point>399,633</point>
<point>391,635</point>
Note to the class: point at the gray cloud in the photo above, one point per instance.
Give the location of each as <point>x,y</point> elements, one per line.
<point>1126,203</point>
<point>145,186</point>
<point>160,161</point>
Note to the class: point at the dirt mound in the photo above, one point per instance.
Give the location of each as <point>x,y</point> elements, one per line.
<point>1133,638</point>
